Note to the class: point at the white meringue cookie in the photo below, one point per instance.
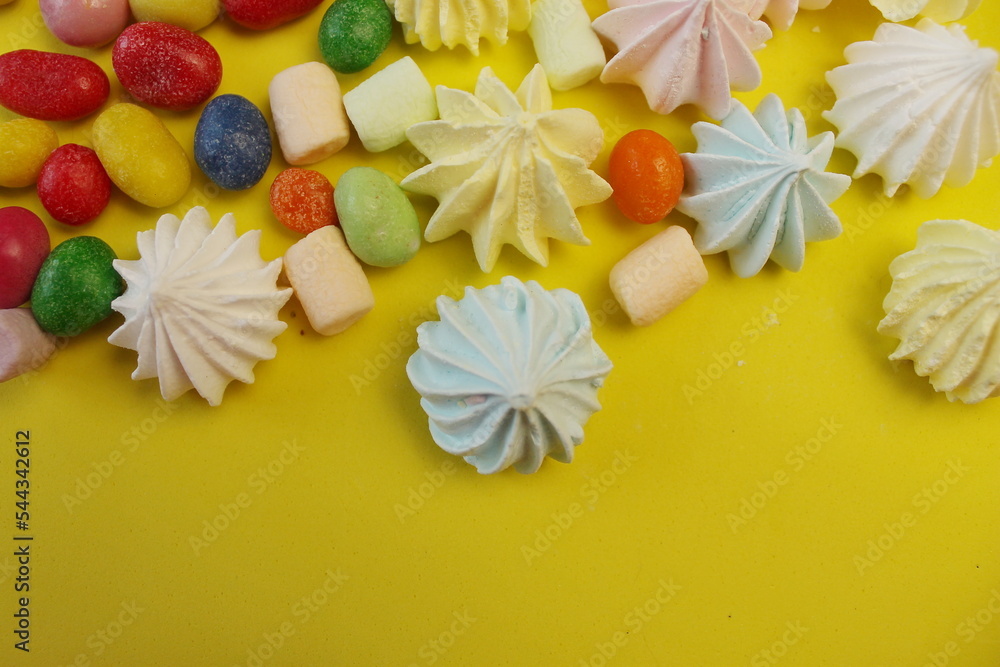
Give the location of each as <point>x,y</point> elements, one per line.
<point>455,22</point>
<point>943,11</point>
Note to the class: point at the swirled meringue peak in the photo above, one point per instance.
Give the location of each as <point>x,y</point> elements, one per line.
<point>507,168</point>
<point>200,305</point>
<point>944,307</point>
<point>781,13</point>
<point>685,51</point>
<point>942,11</point>
<point>758,189</point>
<point>918,105</point>
<point>509,375</point>
<point>455,22</point>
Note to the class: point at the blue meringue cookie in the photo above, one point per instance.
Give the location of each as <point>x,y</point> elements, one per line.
<point>509,375</point>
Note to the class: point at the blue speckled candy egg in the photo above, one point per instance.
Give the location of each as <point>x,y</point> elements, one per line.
<point>232,143</point>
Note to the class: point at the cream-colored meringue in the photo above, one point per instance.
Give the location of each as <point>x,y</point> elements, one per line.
<point>507,168</point>
<point>781,13</point>
<point>454,22</point>
<point>758,187</point>
<point>942,11</point>
<point>685,51</point>
<point>944,307</point>
<point>918,105</point>
<point>200,305</point>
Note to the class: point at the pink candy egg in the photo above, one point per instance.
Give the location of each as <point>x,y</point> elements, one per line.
<point>166,66</point>
<point>85,22</point>
<point>51,86</point>
<point>24,245</point>
<point>73,186</point>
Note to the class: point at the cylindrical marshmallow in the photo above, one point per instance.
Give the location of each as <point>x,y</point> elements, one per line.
<point>384,106</point>
<point>308,113</point>
<point>658,276</point>
<point>23,345</point>
<point>328,281</point>
<point>565,42</point>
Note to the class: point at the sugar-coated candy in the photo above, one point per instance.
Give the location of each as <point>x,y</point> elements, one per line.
<point>51,86</point>
<point>23,345</point>
<point>267,14</point>
<point>85,22</point>
<point>24,145</point>
<point>73,186</point>
<point>328,281</point>
<point>190,14</point>
<point>308,113</point>
<point>354,33</point>
<point>75,286</point>
<point>647,176</point>
<point>567,47</point>
<point>24,245</point>
<point>232,142</point>
<point>384,106</point>
<point>658,276</point>
<point>166,66</point>
<point>141,156</point>
<point>378,220</point>
<point>302,200</point>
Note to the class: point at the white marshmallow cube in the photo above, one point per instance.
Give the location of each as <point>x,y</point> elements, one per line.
<point>567,47</point>
<point>658,276</point>
<point>385,105</point>
<point>308,113</point>
<point>23,345</point>
<point>328,281</point>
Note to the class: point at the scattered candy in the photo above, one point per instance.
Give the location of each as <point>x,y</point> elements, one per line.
<point>23,345</point>
<point>24,145</point>
<point>166,66</point>
<point>328,281</point>
<point>647,175</point>
<point>141,156</point>
<point>85,22</point>
<point>73,186</point>
<point>232,143</point>
<point>75,286</point>
<point>267,14</point>
<point>386,104</point>
<point>354,33</point>
<point>24,245</point>
<point>308,113</point>
<point>566,44</point>
<point>302,200</point>
<point>51,86</point>
<point>189,14</point>
<point>378,220</point>
<point>658,276</point>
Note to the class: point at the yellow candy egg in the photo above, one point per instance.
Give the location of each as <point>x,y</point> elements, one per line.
<point>190,14</point>
<point>24,145</point>
<point>141,156</point>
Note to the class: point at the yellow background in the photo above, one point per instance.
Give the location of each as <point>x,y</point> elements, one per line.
<point>633,542</point>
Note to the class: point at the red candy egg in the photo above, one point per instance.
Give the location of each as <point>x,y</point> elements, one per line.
<point>647,176</point>
<point>24,245</point>
<point>166,66</point>
<point>267,14</point>
<point>73,186</point>
<point>51,86</point>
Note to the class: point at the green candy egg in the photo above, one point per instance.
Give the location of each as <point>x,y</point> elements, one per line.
<point>378,220</point>
<point>75,286</point>
<point>354,33</point>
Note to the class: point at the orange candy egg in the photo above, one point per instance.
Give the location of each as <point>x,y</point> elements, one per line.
<point>647,176</point>
<point>302,200</point>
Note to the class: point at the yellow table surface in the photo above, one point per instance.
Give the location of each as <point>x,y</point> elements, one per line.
<point>815,504</point>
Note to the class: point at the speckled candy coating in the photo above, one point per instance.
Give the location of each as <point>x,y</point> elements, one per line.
<point>302,200</point>
<point>51,86</point>
<point>24,145</point>
<point>24,245</point>
<point>378,220</point>
<point>232,143</point>
<point>189,14</point>
<point>23,345</point>
<point>354,33</point>
<point>166,66</point>
<point>73,186</point>
<point>75,286</point>
<point>84,22</point>
<point>267,14</point>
